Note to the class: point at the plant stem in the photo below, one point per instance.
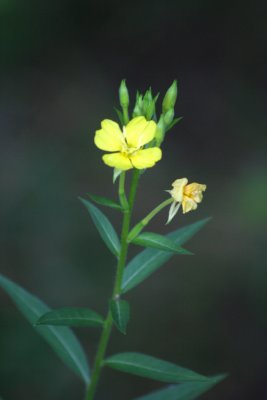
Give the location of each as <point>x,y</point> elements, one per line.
<point>99,357</point>
<point>122,195</point>
<point>140,226</point>
<point>124,235</point>
<point>125,115</point>
<point>100,354</point>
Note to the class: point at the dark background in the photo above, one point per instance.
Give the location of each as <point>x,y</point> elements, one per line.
<point>61,64</point>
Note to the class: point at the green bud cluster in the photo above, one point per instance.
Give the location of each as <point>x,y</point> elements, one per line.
<point>166,120</point>
<point>145,105</point>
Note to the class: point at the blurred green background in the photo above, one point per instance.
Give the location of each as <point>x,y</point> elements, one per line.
<point>61,64</point>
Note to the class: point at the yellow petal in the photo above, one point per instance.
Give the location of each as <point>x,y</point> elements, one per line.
<point>188,204</point>
<point>178,189</point>
<point>194,190</point>
<point>110,137</point>
<point>117,160</point>
<point>146,158</point>
<point>139,132</point>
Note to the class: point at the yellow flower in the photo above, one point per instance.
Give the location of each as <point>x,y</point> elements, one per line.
<point>126,146</point>
<point>187,195</point>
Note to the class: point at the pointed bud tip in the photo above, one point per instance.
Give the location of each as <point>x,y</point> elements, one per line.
<point>124,94</point>
<point>170,97</point>
<point>168,117</point>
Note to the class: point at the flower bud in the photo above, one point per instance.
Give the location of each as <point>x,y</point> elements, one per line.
<point>170,98</point>
<point>168,117</point>
<point>123,94</point>
<point>160,132</point>
<point>148,105</point>
<point>138,108</point>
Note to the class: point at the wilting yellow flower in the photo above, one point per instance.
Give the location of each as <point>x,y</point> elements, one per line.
<point>126,146</point>
<point>186,195</point>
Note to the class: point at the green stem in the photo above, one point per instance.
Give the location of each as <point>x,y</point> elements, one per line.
<point>134,184</point>
<point>125,115</point>
<point>99,357</point>
<point>140,226</point>
<point>124,235</point>
<point>122,195</point>
<point>100,354</point>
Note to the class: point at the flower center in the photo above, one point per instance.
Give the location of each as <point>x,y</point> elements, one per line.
<point>128,151</point>
<point>131,150</point>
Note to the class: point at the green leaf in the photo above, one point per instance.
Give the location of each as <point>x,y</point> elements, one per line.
<point>71,317</point>
<point>104,201</point>
<point>104,227</point>
<point>149,260</point>
<point>153,368</point>
<point>150,239</point>
<point>61,339</point>
<point>185,391</point>
<point>120,312</point>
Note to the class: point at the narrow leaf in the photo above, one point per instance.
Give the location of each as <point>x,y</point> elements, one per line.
<point>149,260</point>
<point>184,391</point>
<point>150,239</point>
<point>120,312</point>
<point>153,368</point>
<point>71,317</point>
<point>61,339</point>
<point>104,227</point>
<point>104,201</point>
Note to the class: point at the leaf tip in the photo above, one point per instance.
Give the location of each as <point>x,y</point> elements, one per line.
<point>189,253</point>
<point>220,377</point>
<point>82,200</point>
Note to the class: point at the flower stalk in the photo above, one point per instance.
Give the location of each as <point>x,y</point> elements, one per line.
<point>107,327</point>
<point>136,146</point>
<point>122,195</point>
<point>140,226</point>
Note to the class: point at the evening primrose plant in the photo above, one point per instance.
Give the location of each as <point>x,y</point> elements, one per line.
<point>131,146</point>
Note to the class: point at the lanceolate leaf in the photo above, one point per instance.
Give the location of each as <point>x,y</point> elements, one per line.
<point>104,227</point>
<point>104,201</point>
<point>184,391</point>
<point>150,239</point>
<point>149,260</point>
<point>150,367</point>
<point>61,339</point>
<point>120,312</point>
<point>71,317</point>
